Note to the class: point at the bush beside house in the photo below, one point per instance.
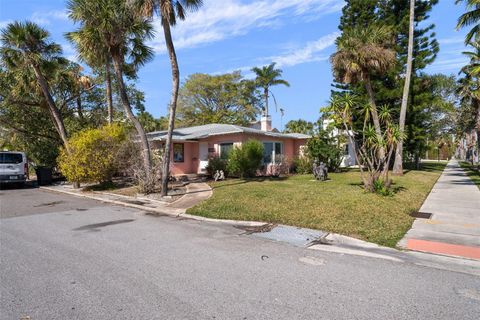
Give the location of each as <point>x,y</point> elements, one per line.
<point>245,160</point>
<point>93,154</point>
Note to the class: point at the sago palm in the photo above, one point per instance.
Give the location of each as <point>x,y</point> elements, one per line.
<point>470,18</point>
<point>109,25</point>
<point>169,12</point>
<point>266,77</point>
<point>26,46</point>
<point>360,53</point>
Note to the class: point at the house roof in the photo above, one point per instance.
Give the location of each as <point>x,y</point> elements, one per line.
<point>215,129</point>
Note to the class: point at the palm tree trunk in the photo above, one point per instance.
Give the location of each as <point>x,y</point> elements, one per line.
<point>266,100</point>
<point>56,115</point>
<point>108,91</point>
<point>398,165</point>
<point>173,104</point>
<point>376,120</point>
<point>147,161</point>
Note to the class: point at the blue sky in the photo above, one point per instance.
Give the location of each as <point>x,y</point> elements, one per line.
<point>227,35</point>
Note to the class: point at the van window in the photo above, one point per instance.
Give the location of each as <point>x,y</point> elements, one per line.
<point>11,158</point>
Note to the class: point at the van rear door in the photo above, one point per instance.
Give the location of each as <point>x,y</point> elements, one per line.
<point>12,163</point>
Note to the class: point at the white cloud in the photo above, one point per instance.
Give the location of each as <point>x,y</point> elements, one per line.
<point>452,40</point>
<point>308,53</point>
<point>222,19</point>
<point>449,64</point>
<point>45,18</point>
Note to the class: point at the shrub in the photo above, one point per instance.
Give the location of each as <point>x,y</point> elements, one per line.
<point>324,148</point>
<point>216,163</point>
<point>129,163</point>
<point>244,161</point>
<point>93,153</point>
<point>303,165</point>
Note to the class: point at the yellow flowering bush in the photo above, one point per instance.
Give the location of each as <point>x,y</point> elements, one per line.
<point>92,154</point>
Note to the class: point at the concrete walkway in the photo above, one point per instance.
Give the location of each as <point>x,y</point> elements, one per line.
<point>454,225</point>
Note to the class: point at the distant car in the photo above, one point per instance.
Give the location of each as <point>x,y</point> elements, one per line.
<point>13,167</point>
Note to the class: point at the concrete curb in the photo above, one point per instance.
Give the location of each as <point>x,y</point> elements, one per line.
<point>180,213</point>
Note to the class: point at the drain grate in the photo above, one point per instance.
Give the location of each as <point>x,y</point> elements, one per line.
<point>421,215</point>
<point>257,229</point>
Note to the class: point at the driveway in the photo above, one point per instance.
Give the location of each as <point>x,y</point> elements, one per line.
<point>70,258</point>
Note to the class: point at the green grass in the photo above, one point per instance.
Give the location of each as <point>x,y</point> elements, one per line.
<point>472,171</point>
<point>339,205</point>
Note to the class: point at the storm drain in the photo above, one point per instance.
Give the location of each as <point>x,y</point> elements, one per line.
<point>421,215</point>
<point>257,229</point>
<point>300,237</point>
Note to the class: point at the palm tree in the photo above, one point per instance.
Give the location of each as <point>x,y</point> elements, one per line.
<point>268,76</point>
<point>469,18</point>
<point>108,24</point>
<point>169,11</point>
<point>398,164</point>
<point>362,52</point>
<point>96,57</point>
<point>25,46</point>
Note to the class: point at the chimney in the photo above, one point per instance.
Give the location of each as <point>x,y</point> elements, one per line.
<point>266,123</point>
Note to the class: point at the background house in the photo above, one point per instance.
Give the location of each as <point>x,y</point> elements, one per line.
<point>193,146</point>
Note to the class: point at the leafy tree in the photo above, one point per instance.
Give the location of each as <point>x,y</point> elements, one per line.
<point>266,77</point>
<point>299,126</point>
<point>322,147</point>
<point>168,11</point>
<point>469,18</point>
<point>110,25</point>
<point>225,98</point>
<point>150,123</point>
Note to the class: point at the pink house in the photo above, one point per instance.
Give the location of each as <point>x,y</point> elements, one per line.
<point>192,146</point>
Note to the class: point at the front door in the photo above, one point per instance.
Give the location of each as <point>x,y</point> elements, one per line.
<point>203,157</point>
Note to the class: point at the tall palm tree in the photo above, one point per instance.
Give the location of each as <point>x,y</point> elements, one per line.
<point>360,53</point>
<point>469,18</point>
<point>268,76</point>
<point>168,11</point>
<point>25,46</point>
<point>96,57</point>
<point>109,24</point>
<point>398,164</point>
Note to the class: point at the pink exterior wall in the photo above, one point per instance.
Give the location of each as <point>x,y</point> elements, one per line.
<point>291,149</point>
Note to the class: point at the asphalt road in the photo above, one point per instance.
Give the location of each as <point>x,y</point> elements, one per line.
<point>69,258</point>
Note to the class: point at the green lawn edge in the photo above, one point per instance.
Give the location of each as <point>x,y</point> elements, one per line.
<point>472,172</point>
<point>339,205</point>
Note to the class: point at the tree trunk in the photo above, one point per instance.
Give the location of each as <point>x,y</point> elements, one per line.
<point>108,91</point>
<point>79,108</point>
<point>173,104</point>
<point>376,120</point>
<point>266,100</point>
<point>147,161</point>
<point>398,165</point>
<point>57,117</point>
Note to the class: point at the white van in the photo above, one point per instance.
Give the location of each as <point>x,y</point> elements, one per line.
<point>13,167</point>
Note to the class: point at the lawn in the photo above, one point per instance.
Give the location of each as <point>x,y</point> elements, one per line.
<point>339,205</point>
<point>472,172</point>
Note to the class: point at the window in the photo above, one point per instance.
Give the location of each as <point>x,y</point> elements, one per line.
<point>11,158</point>
<point>225,149</point>
<point>178,152</point>
<point>272,152</point>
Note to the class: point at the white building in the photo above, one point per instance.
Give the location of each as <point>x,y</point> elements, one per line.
<point>348,159</point>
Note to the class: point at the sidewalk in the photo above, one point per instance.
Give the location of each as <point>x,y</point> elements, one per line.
<point>454,225</point>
